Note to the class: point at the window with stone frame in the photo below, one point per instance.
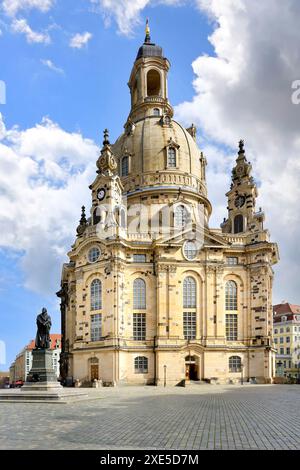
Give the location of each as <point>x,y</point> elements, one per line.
<point>232,260</point>
<point>231,327</point>
<point>141,365</point>
<point>125,166</point>
<point>189,292</point>
<point>171,163</point>
<point>230,295</point>
<point>139,326</point>
<point>190,250</point>
<point>139,258</point>
<point>238,223</point>
<point>139,294</point>
<point>189,308</point>
<point>96,295</point>
<point>235,364</point>
<point>181,217</point>
<point>96,327</point>
<point>189,325</point>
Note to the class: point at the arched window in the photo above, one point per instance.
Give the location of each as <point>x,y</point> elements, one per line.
<point>156,112</point>
<point>171,157</point>
<point>180,217</point>
<point>189,306</point>
<point>235,364</point>
<point>153,83</point>
<point>141,365</point>
<point>167,120</point>
<point>96,295</point>
<point>139,294</point>
<point>125,166</point>
<point>96,216</point>
<point>238,223</point>
<point>230,295</point>
<point>189,292</point>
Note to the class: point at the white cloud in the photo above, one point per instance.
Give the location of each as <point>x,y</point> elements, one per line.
<point>244,91</point>
<point>22,27</point>
<point>48,63</point>
<point>49,173</point>
<point>125,12</point>
<point>80,40</point>
<point>12,7</point>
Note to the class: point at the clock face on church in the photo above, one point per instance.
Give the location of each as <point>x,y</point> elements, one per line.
<point>239,201</point>
<point>101,194</point>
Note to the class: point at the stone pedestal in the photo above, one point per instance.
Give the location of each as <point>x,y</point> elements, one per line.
<point>42,376</point>
<point>42,384</point>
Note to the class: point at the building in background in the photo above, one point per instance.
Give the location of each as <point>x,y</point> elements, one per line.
<point>22,364</point>
<point>4,379</point>
<point>286,326</point>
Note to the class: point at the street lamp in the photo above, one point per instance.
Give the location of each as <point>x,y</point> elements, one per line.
<point>242,377</point>
<point>165,375</point>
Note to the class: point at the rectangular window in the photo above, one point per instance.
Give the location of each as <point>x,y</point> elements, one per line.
<point>281,350</point>
<point>141,365</point>
<point>231,327</point>
<point>139,326</point>
<point>96,327</point>
<point>287,339</point>
<point>171,157</point>
<point>232,260</point>
<point>139,258</point>
<point>275,340</point>
<point>189,325</point>
<point>281,339</point>
<point>288,350</point>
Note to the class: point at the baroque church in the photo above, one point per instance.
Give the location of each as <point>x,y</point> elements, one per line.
<point>151,293</point>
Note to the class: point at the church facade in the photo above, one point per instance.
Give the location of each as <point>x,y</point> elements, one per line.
<point>151,294</point>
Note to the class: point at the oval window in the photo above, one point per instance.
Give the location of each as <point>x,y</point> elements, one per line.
<point>94,254</point>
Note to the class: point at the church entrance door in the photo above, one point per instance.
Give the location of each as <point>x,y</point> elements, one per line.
<point>94,372</point>
<point>191,368</point>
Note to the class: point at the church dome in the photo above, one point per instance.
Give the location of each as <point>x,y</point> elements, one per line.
<point>149,50</point>
<point>159,152</point>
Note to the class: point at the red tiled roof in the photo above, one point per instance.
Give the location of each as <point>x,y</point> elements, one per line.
<point>285,309</point>
<point>54,339</point>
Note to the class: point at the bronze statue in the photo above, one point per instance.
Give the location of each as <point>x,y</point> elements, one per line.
<point>43,321</point>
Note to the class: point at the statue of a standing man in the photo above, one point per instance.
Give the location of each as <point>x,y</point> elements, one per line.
<point>43,321</point>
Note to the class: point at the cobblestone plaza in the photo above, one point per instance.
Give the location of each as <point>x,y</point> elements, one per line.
<point>195,417</point>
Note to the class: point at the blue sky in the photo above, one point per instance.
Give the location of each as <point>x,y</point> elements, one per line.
<point>92,92</point>
<point>232,68</point>
<point>89,94</point>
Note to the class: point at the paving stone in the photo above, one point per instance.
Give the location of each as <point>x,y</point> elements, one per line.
<point>226,417</point>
